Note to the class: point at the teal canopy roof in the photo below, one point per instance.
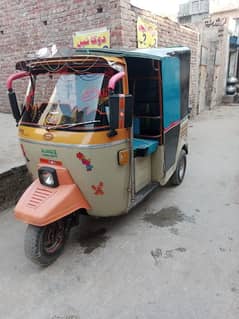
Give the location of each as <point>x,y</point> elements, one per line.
<point>149,53</point>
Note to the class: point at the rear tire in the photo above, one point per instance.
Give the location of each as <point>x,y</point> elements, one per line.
<point>179,173</point>
<point>43,245</point>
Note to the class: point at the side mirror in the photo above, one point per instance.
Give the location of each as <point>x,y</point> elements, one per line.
<point>121,112</point>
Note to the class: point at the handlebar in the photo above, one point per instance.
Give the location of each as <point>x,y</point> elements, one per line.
<point>14,77</point>
<point>115,78</point>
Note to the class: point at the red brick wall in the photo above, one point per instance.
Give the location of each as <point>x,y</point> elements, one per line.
<point>27,25</point>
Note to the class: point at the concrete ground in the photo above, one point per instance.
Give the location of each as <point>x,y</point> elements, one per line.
<point>173,257</point>
<point>10,152</point>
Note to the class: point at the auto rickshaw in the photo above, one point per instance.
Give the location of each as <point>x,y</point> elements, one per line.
<point>100,129</point>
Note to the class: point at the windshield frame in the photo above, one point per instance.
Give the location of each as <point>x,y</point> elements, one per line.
<point>30,103</point>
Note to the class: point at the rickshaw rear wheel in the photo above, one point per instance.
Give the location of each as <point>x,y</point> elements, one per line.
<point>179,173</point>
<point>43,245</point>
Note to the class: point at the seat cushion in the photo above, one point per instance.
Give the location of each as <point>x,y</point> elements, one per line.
<point>144,147</point>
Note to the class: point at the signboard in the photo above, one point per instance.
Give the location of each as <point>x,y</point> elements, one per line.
<point>96,38</point>
<point>147,36</point>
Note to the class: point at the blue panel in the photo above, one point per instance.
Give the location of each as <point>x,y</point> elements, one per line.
<point>171,90</point>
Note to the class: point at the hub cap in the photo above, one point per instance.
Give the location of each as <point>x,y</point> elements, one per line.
<point>53,237</point>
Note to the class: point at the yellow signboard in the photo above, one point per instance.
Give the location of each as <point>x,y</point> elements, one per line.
<point>97,38</point>
<point>147,36</point>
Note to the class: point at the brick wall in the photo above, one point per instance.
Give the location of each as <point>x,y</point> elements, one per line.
<point>27,25</point>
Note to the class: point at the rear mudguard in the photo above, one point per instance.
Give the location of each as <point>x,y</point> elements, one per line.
<point>41,205</point>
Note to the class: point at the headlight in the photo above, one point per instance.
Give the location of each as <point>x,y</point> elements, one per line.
<point>48,176</point>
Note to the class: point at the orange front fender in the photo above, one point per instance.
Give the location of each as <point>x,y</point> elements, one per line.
<point>41,205</point>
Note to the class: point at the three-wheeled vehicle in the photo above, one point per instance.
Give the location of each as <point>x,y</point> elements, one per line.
<point>99,129</point>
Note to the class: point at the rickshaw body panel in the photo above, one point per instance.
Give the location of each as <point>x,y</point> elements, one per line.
<point>94,168</point>
<point>158,158</point>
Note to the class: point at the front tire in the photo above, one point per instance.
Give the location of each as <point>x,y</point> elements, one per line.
<point>179,173</point>
<point>43,245</point>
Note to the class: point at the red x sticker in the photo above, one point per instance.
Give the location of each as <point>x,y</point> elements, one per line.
<point>98,188</point>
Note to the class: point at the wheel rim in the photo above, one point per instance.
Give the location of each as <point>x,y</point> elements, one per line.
<point>181,170</point>
<point>54,237</point>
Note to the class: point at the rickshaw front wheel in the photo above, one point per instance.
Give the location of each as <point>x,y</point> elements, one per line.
<point>43,245</point>
<point>179,173</point>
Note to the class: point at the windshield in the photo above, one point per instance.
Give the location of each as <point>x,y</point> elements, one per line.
<point>60,99</point>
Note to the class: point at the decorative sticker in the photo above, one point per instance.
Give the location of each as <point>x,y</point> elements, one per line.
<point>98,188</point>
<point>48,136</point>
<point>49,153</point>
<point>86,162</point>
